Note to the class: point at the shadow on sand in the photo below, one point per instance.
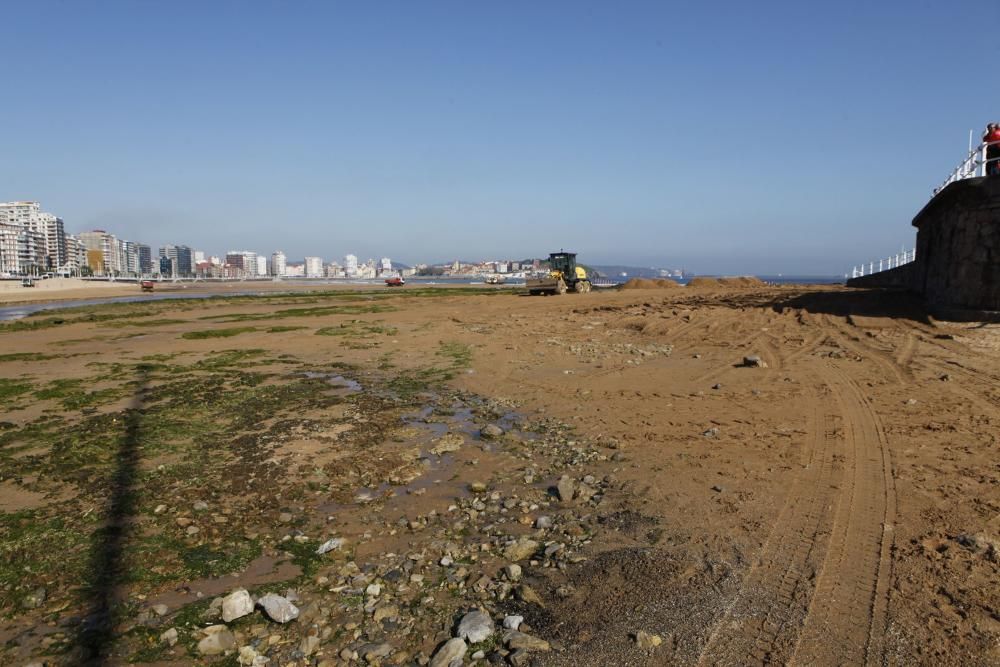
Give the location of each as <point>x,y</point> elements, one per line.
<point>96,632</point>
<point>895,304</point>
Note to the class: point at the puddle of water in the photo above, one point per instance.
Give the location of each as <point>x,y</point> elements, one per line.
<point>23,310</point>
<point>352,386</point>
<point>263,570</point>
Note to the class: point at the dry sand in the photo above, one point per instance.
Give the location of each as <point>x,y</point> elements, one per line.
<point>839,507</point>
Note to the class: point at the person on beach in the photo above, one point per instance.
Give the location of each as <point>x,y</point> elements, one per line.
<point>992,140</point>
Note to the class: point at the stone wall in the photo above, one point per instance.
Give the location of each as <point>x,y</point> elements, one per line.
<point>958,250</point>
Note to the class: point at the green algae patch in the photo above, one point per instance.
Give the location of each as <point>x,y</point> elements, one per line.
<point>217,333</point>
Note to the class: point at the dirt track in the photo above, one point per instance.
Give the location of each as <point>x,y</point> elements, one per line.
<point>840,506</point>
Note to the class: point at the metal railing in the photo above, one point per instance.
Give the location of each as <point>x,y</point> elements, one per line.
<point>975,164</point>
<point>884,264</point>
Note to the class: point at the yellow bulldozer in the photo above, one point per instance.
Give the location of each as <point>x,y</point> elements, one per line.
<point>564,275</point>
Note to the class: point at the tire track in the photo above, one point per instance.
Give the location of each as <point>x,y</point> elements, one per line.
<point>847,617</point>
<point>761,625</point>
<point>879,357</point>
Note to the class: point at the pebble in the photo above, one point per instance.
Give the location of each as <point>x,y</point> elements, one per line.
<point>754,361</point>
<point>236,605</point>
<point>543,522</point>
<point>218,639</point>
<point>490,432</point>
<point>521,549</point>
<point>513,572</point>
<point>646,641</point>
<point>476,626</point>
<point>519,640</point>
<point>528,595</point>
<point>512,622</point>
<point>451,651</point>
<point>449,442</point>
<point>278,609</point>
<point>566,487</point>
<point>169,637</point>
<point>285,517</point>
<point>332,544</point>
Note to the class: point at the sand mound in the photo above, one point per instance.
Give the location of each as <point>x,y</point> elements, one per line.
<point>741,281</point>
<point>647,283</point>
<point>737,281</point>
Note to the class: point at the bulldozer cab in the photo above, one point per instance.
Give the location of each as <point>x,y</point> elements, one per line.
<point>563,262</point>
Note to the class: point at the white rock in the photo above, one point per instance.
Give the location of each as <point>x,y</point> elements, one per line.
<point>513,622</point>
<point>451,651</point>
<point>236,605</point>
<point>278,609</point>
<point>332,544</point>
<point>475,626</point>
<point>169,637</point>
<point>218,640</point>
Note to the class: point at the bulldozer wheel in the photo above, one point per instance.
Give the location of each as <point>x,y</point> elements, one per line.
<point>561,287</point>
<point>582,286</point>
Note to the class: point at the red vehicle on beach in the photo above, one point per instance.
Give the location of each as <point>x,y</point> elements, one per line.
<point>146,285</point>
<point>395,282</point>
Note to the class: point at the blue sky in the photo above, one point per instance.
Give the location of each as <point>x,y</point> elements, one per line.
<point>766,137</point>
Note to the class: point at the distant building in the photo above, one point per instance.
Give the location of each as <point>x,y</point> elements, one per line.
<point>30,239</point>
<point>295,270</point>
<point>243,260</point>
<point>278,263</point>
<point>261,265</point>
<point>145,255</point>
<point>183,258</point>
<point>100,241</point>
<point>314,267</point>
<point>385,264</point>
<point>350,266</point>
<point>334,270</point>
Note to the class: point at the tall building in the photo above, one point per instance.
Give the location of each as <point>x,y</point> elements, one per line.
<point>385,265</point>
<point>314,267</point>
<point>145,255</point>
<point>76,256</point>
<point>350,265</point>
<point>30,239</point>
<point>244,261</point>
<point>278,262</point>
<point>261,265</point>
<point>182,257</point>
<point>102,252</point>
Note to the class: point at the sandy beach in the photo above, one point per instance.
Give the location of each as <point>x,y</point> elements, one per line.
<point>672,476</point>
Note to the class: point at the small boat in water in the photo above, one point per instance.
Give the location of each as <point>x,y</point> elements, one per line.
<point>495,280</point>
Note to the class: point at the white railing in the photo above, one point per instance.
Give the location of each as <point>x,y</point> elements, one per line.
<point>884,264</point>
<point>975,164</point>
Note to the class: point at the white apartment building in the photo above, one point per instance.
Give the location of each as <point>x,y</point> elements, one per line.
<point>278,263</point>
<point>386,265</point>
<point>314,267</point>
<point>261,265</point>
<point>30,239</point>
<point>350,266</point>
<point>334,270</point>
